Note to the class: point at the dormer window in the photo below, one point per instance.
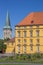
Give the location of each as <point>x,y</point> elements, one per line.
<point>32,21</point>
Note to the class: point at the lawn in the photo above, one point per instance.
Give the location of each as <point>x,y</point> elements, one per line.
<point>15,64</point>
<point>12,64</point>
<point>12,60</point>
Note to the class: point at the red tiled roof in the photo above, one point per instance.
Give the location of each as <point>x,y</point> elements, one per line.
<point>33,18</point>
<point>11,40</point>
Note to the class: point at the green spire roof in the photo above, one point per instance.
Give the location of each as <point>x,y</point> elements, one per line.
<point>7,23</point>
<point>7,20</point>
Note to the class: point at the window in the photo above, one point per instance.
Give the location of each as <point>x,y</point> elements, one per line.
<point>24,27</point>
<point>18,33</point>
<point>6,33</point>
<point>37,32</point>
<point>38,48</point>
<point>37,26</point>
<point>18,49</point>
<point>24,33</point>
<point>31,33</point>
<point>37,41</point>
<point>31,47</point>
<point>31,44</point>
<point>24,49</point>
<point>32,22</point>
<point>10,36</point>
<point>31,41</point>
<point>19,27</point>
<point>24,41</point>
<point>18,41</point>
<point>38,45</point>
<point>31,26</point>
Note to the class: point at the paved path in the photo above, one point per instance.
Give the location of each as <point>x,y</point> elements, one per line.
<point>23,63</point>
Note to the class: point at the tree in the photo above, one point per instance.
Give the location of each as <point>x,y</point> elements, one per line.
<point>2,46</point>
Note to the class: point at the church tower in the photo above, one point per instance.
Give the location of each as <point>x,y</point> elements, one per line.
<point>7,28</point>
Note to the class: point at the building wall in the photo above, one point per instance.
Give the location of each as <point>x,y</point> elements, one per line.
<point>36,45</point>
<point>10,47</point>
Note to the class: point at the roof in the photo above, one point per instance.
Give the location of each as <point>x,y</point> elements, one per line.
<point>11,40</point>
<point>34,18</point>
<point>7,23</point>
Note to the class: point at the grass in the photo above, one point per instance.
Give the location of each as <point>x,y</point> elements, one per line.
<point>14,64</point>
<point>10,59</point>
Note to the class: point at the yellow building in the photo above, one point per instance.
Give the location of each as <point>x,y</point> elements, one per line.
<point>10,46</point>
<point>29,34</point>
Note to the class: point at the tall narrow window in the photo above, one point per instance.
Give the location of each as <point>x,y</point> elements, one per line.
<point>37,41</point>
<point>31,47</point>
<point>18,49</point>
<point>24,41</point>
<point>31,26</point>
<point>31,41</point>
<point>18,41</point>
<point>37,26</point>
<point>38,47</point>
<point>24,33</point>
<point>31,33</point>
<point>37,32</point>
<point>24,49</point>
<point>24,27</point>
<point>18,33</point>
<point>31,44</point>
<point>19,27</point>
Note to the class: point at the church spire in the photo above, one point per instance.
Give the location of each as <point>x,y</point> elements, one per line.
<point>7,30</point>
<point>7,23</point>
<point>7,20</point>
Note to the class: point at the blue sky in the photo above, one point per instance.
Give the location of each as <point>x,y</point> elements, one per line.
<point>18,9</point>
